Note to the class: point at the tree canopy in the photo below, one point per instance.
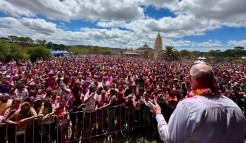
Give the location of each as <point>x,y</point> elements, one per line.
<point>90,50</point>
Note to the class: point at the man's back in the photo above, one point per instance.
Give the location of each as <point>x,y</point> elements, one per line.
<point>201,119</point>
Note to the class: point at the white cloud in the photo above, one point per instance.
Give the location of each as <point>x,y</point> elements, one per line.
<point>170,4</point>
<point>225,11</point>
<point>111,23</point>
<point>39,25</point>
<point>222,10</point>
<point>72,9</point>
<point>24,26</point>
<point>178,43</point>
<point>192,17</point>
<point>202,49</point>
<point>210,43</point>
<point>211,9</point>
<point>192,44</point>
<point>180,26</point>
<point>9,8</point>
<point>203,14</point>
<point>234,43</point>
<point>114,37</point>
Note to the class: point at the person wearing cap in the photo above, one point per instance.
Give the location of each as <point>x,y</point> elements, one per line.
<point>45,114</point>
<point>205,116</point>
<point>64,90</point>
<point>37,104</point>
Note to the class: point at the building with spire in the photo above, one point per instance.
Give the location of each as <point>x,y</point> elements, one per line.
<point>143,48</point>
<point>157,46</point>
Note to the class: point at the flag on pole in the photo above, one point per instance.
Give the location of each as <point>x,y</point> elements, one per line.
<point>52,46</point>
<point>25,45</point>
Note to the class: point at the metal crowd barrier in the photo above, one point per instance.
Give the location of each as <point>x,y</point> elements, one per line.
<point>87,125</point>
<point>29,133</point>
<point>117,119</point>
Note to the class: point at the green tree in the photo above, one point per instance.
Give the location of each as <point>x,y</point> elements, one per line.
<point>147,54</point>
<point>184,54</point>
<point>74,50</point>
<point>48,45</point>
<point>4,50</point>
<point>30,41</point>
<point>171,53</point>
<point>238,48</point>
<point>239,51</point>
<point>211,53</point>
<point>41,42</point>
<point>38,52</point>
<point>9,51</point>
<point>13,39</point>
<point>16,53</point>
<point>4,38</point>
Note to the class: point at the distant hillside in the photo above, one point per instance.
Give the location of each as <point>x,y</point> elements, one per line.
<point>115,49</point>
<point>112,49</point>
<point>80,46</point>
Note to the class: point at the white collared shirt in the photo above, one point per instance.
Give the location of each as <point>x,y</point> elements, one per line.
<point>202,119</point>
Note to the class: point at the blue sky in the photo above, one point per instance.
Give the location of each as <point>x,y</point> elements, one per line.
<point>187,24</point>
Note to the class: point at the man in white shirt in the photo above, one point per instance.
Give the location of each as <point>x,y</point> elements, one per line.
<point>90,106</point>
<point>204,117</point>
<point>91,98</point>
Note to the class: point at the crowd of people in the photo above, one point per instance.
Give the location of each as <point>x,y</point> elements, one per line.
<point>84,90</point>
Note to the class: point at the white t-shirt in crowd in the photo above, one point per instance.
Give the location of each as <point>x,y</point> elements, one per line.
<point>91,104</point>
<point>21,94</point>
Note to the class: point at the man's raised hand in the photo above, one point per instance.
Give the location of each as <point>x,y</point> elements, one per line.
<point>154,108</point>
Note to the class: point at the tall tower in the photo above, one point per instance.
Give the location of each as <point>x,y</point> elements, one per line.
<point>158,46</point>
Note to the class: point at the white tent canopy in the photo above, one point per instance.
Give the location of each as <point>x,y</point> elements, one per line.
<point>201,58</point>
<point>199,61</point>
